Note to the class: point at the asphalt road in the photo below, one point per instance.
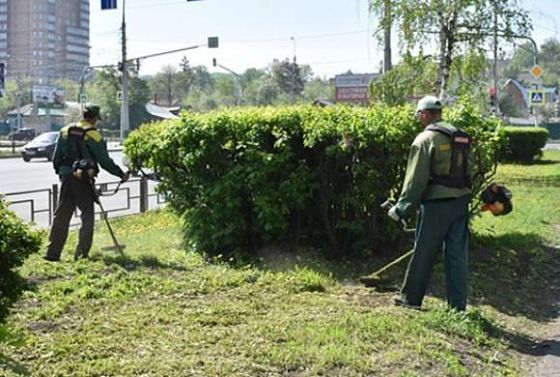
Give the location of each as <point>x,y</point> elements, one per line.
<point>17,176</point>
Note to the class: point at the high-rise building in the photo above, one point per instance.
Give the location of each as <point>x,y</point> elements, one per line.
<point>44,39</point>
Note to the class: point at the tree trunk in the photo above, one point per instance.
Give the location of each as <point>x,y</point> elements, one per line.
<point>387,62</point>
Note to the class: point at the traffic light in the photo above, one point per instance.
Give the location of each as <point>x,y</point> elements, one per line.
<point>214,62</point>
<point>213,42</point>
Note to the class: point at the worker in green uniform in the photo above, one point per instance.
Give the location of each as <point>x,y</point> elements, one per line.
<point>79,151</point>
<point>437,182</point>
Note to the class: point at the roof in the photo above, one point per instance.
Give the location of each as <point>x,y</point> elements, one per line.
<point>160,112</point>
<point>27,110</point>
<point>525,90</point>
<point>520,121</point>
<point>522,89</point>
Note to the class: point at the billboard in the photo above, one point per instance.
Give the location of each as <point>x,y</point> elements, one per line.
<point>353,87</point>
<point>47,94</point>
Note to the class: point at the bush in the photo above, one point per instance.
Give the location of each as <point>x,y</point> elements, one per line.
<point>243,178</point>
<point>18,241</point>
<point>524,144</point>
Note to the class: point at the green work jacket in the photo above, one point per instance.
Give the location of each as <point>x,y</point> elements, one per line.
<point>94,149</point>
<point>430,154</point>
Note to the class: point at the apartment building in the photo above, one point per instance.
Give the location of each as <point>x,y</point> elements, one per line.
<point>44,39</point>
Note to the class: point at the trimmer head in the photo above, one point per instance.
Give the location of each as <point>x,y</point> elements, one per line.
<point>374,280</point>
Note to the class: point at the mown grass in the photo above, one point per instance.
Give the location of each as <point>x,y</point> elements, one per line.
<point>162,311</point>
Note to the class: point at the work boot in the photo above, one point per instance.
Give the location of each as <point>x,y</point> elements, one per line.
<point>399,300</point>
<point>78,254</point>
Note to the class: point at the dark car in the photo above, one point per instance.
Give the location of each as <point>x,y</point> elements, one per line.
<point>42,146</point>
<point>22,134</point>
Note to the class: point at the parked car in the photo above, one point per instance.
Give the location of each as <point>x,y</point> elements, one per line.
<point>22,134</point>
<point>42,146</point>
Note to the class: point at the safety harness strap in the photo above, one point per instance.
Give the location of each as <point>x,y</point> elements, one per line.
<point>460,146</point>
<point>76,136</point>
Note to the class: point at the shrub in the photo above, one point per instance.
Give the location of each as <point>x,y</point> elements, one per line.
<point>524,144</point>
<point>243,178</point>
<point>18,241</point>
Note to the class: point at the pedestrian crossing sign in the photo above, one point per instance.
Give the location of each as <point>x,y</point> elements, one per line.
<point>536,97</point>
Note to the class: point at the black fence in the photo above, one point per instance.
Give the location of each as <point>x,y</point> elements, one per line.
<point>137,195</point>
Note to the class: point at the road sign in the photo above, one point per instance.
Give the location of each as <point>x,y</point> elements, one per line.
<point>536,97</point>
<point>108,4</point>
<point>83,98</point>
<point>536,71</point>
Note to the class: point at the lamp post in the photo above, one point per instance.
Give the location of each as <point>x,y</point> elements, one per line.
<point>86,71</point>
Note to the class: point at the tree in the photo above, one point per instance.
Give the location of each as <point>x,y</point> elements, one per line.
<point>383,9</point>
<point>21,87</point>
<point>287,76</point>
<point>318,88</point>
<point>453,23</point>
<point>412,77</point>
<point>162,84</point>
<point>71,88</point>
<point>226,90</point>
<point>523,59</point>
<point>183,79</point>
<point>103,91</point>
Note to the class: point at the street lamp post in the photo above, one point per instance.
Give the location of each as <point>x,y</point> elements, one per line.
<point>85,72</point>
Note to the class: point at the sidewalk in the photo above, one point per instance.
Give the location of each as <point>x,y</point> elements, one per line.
<point>549,351</point>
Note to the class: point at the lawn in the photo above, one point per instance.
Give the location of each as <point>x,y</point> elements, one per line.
<point>163,311</point>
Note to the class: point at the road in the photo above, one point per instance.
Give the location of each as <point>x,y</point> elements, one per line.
<point>38,175</point>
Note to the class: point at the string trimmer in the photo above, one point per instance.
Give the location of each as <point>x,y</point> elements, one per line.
<point>375,279</point>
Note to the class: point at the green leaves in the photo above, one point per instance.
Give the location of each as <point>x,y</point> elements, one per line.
<point>18,241</point>
<point>243,178</point>
<point>524,144</point>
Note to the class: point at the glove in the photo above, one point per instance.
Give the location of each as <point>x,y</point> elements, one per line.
<point>392,213</point>
<point>125,177</point>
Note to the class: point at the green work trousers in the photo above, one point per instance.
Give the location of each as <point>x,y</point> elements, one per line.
<point>442,224</point>
<point>73,193</point>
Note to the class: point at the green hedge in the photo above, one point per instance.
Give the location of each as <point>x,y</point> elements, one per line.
<point>17,242</point>
<point>524,144</point>
<point>243,178</point>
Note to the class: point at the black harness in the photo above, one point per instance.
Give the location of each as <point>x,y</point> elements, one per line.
<point>460,147</point>
<point>75,156</point>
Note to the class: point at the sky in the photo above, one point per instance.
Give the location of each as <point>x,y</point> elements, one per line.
<point>332,36</point>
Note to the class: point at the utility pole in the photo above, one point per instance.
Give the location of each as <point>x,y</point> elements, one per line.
<point>495,62</point>
<point>124,84</point>
<point>387,21</point>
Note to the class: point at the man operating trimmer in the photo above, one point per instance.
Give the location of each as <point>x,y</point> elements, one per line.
<point>437,182</point>
<point>79,151</point>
